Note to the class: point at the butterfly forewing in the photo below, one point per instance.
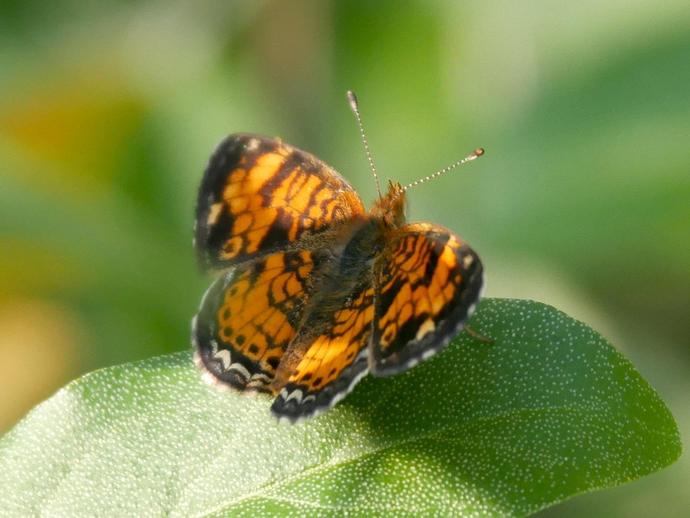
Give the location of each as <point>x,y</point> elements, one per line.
<point>259,195</point>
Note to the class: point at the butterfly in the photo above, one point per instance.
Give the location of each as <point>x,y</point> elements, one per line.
<point>312,291</point>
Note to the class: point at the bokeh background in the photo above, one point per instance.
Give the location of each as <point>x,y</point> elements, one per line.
<point>109,111</point>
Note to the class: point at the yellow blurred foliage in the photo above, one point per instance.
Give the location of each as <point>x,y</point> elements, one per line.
<point>27,266</point>
<point>70,127</point>
<point>39,343</point>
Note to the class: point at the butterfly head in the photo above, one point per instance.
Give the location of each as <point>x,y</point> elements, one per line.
<point>390,209</point>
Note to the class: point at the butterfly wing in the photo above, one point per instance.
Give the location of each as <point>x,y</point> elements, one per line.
<point>259,196</point>
<point>427,282</point>
<point>248,317</point>
<point>330,355</point>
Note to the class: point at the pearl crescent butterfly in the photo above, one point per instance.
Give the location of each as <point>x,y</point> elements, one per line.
<point>312,291</point>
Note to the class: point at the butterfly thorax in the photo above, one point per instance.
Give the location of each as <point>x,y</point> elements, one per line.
<point>350,252</point>
<point>365,237</point>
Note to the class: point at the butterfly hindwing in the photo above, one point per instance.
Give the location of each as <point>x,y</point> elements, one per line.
<point>427,282</point>
<point>259,195</point>
<point>332,356</point>
<point>249,316</point>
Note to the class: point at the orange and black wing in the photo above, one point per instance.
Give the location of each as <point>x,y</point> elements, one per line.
<point>331,355</point>
<point>427,283</point>
<point>248,317</point>
<point>260,196</point>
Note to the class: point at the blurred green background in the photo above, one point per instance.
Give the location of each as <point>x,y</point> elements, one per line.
<point>109,111</point>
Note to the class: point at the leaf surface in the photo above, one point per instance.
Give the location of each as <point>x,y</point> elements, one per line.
<point>547,411</point>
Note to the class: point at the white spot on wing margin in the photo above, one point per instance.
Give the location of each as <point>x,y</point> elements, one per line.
<point>320,410</point>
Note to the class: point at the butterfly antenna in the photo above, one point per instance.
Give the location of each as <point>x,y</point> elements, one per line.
<point>472,156</point>
<point>354,105</point>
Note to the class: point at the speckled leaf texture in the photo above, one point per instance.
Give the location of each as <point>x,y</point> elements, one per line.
<point>547,411</point>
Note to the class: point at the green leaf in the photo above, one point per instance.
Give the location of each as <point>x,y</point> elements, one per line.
<point>547,411</point>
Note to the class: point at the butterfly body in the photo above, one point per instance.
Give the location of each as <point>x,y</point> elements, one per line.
<point>313,292</point>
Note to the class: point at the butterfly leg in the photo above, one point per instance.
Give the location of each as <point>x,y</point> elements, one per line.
<point>477,336</point>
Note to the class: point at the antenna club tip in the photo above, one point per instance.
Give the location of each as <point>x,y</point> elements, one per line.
<point>478,152</point>
<point>352,99</point>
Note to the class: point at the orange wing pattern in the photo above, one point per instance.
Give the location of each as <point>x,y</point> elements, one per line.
<point>334,360</point>
<point>260,196</point>
<point>249,316</point>
<point>427,283</point>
